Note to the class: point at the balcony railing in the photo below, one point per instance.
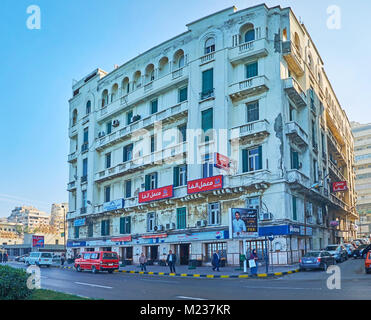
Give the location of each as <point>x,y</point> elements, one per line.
<point>248,87</point>
<point>248,50</point>
<point>207,94</point>
<point>255,128</point>
<point>84,179</point>
<point>71,185</point>
<point>295,92</point>
<point>336,170</point>
<point>207,57</point>
<point>292,54</point>
<point>297,134</point>
<point>84,147</point>
<point>298,178</point>
<point>72,156</point>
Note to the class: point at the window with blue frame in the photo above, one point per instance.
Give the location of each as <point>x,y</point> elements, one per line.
<point>251,70</point>
<point>207,123</point>
<point>154,106</point>
<point>183,94</point>
<point>252,159</point>
<point>109,127</point>
<point>105,227</point>
<point>127,188</point>
<point>250,35</point>
<point>252,111</point>
<point>108,160</point>
<point>180,175</point>
<point>207,83</point>
<point>107,194</point>
<point>128,152</point>
<point>181,218</point>
<point>125,225</point>
<point>85,167</point>
<point>207,166</point>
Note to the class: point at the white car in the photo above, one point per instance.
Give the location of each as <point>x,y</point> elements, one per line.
<point>40,259</point>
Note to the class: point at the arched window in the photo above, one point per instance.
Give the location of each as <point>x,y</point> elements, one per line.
<point>181,62</point>
<point>137,82</point>
<point>247,33</point>
<point>104,98</point>
<point>150,73</point>
<point>179,59</point>
<point>74,117</point>
<point>163,66</point>
<point>284,35</point>
<point>115,89</point>
<point>125,86</point>
<point>88,107</point>
<point>209,45</point>
<point>250,35</point>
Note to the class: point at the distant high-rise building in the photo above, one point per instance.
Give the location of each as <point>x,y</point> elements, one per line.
<point>29,216</point>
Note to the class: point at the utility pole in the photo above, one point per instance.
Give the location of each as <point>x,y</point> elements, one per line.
<point>64,229</point>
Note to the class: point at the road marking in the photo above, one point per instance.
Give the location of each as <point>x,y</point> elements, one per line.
<point>189,298</point>
<point>93,285</point>
<point>281,288</point>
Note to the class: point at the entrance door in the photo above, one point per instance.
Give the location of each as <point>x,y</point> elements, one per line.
<point>154,252</point>
<point>184,254</point>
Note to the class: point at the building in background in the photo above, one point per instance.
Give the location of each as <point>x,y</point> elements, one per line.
<point>29,216</point>
<point>10,232</point>
<point>246,87</point>
<point>362,152</point>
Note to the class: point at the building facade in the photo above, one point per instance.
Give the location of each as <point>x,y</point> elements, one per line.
<point>29,216</point>
<point>10,232</point>
<point>149,139</point>
<point>362,152</point>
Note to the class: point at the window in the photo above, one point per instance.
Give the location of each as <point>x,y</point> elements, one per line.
<point>180,175</point>
<point>74,117</point>
<point>207,123</point>
<point>109,127</point>
<point>153,144</point>
<point>212,247</point>
<point>182,94</point>
<point>108,160</point>
<point>151,181</point>
<point>250,35</point>
<point>154,106</point>
<point>252,159</point>
<point>209,45</point>
<point>207,167</point>
<point>181,62</point>
<point>182,133</point>
<point>213,212</point>
<point>315,171</point>
<point>291,112</point>
<point>295,159</point>
<point>90,229</point>
<point>86,135</point>
<point>85,167</point>
<point>252,111</point>
<point>105,227</point>
<point>129,117</point>
<point>294,209</point>
<point>107,194</point>
<point>151,221</point>
<point>251,70</point>
<point>314,138</point>
<point>88,107</point>
<point>207,83</point>
<point>311,94</point>
<point>105,98</point>
<point>77,232</point>
<point>127,188</point>
<point>125,225</point>
<point>181,218</point>
<point>128,152</point>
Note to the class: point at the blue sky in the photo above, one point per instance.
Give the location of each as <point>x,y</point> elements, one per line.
<point>77,36</point>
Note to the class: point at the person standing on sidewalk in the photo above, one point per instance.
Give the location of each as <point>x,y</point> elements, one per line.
<point>216,260</point>
<point>5,257</point>
<point>254,257</point>
<point>143,262</point>
<point>63,258</point>
<point>1,257</point>
<point>171,259</point>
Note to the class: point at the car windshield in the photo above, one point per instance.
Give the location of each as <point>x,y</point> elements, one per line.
<point>109,255</point>
<point>46,255</point>
<point>311,254</point>
<point>331,248</point>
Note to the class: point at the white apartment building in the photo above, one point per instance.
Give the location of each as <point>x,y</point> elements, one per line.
<point>142,171</point>
<point>362,153</point>
<point>29,216</point>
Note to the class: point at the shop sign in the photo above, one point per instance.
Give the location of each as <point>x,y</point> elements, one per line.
<point>205,184</point>
<point>37,241</point>
<point>339,186</point>
<point>221,162</point>
<point>114,205</point>
<point>244,222</point>
<point>156,194</point>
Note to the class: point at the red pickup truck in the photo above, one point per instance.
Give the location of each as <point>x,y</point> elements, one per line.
<point>96,261</point>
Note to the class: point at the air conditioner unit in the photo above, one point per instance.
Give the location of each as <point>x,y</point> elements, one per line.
<point>170,226</point>
<point>266,216</point>
<point>115,123</point>
<point>159,228</point>
<point>101,134</point>
<point>201,223</point>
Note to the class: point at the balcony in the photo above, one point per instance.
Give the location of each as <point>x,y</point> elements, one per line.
<point>142,92</point>
<point>340,203</point>
<point>333,167</point>
<point>72,131</point>
<point>335,145</point>
<point>84,179</point>
<point>249,50</point>
<point>295,92</point>
<point>297,179</point>
<point>207,58</point>
<point>72,156</point>
<point>249,130</point>
<point>170,114</point>
<point>292,55</point>
<point>207,95</point>
<point>296,134</point>
<point>84,147</point>
<point>158,157</point>
<point>249,87</point>
<point>71,186</point>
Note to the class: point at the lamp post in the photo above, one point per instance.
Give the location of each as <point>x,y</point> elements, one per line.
<point>64,230</point>
<point>271,238</point>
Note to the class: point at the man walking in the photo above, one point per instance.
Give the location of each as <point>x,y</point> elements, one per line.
<point>216,260</point>
<point>143,262</point>
<point>63,258</point>
<point>171,259</point>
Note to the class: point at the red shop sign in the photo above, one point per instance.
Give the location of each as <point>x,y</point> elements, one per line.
<point>156,194</point>
<point>220,161</point>
<point>339,186</point>
<point>150,236</point>
<point>206,184</point>
<point>127,238</point>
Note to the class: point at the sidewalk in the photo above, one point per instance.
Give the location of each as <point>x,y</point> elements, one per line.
<point>205,271</point>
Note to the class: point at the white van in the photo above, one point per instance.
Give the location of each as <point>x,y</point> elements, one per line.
<point>40,259</point>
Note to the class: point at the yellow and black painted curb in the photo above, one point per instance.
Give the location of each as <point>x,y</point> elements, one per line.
<point>208,276</point>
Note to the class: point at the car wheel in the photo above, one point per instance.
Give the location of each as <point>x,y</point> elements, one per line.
<point>94,269</point>
<point>78,268</point>
<point>110,271</point>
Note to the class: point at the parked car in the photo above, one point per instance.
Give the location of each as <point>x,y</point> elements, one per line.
<point>349,248</point>
<point>316,260</point>
<point>40,259</point>
<point>365,250</point>
<point>97,261</point>
<point>338,251</point>
<point>368,262</point>
<point>57,259</point>
<point>21,258</point>
<point>357,252</point>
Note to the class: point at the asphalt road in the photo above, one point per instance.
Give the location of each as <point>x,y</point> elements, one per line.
<point>355,284</point>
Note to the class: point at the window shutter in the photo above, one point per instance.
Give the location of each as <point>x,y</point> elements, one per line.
<point>147,181</point>
<point>102,228</point>
<point>251,70</point>
<point>156,180</point>
<point>207,119</point>
<point>128,225</point>
<point>186,173</point>
<point>207,81</point>
<point>122,225</point>
<point>245,163</point>
<point>176,177</point>
<point>260,158</point>
<point>294,208</point>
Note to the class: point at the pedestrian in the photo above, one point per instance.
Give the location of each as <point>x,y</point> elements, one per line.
<point>63,259</point>
<point>143,262</point>
<point>171,259</point>
<point>216,260</point>
<point>1,257</point>
<point>5,257</point>
<point>253,262</point>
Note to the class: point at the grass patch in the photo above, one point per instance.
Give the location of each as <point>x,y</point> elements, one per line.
<point>43,294</point>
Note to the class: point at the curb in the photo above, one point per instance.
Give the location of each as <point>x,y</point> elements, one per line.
<point>196,275</point>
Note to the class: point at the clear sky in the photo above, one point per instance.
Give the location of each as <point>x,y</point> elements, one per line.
<point>76,36</point>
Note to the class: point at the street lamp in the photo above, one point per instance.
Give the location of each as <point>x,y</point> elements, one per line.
<point>64,230</point>
<point>270,238</point>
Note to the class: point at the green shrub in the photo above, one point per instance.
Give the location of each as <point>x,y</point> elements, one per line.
<point>13,284</point>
